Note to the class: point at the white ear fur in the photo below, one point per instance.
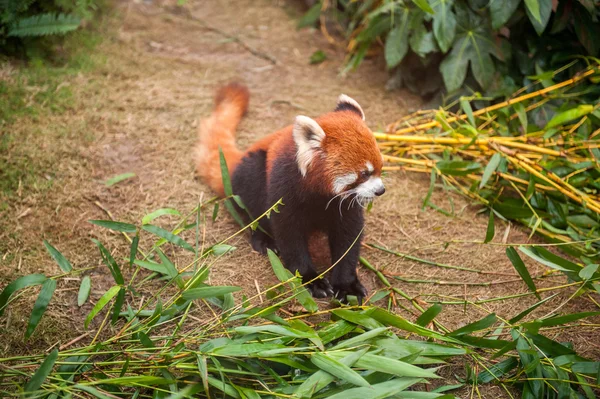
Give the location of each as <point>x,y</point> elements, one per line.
<point>308,136</point>
<point>345,102</point>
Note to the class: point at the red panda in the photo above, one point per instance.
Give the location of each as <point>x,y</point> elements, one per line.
<point>326,170</point>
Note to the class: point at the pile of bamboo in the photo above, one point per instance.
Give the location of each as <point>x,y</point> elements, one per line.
<point>547,178</point>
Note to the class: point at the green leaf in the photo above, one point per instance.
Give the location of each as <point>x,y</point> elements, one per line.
<point>134,248</point>
<point>458,168</point>
<point>167,235</point>
<point>444,23</point>
<point>311,17</point>
<point>110,262</point>
<point>520,267</point>
<point>522,115</point>
<point>474,44</point>
<point>377,391</point>
<point>490,168</point>
<point>19,284</point>
<point>561,320</point>
<point>430,314</point>
<point>479,325</point>
<point>170,268</point>
<point>119,178</point>
<point>468,110</point>
<point>44,24</point>
<point>338,369</point>
<point>63,263</point>
<point>569,115</point>
<point>533,6</point>
<point>391,366</point>
<point>360,338</point>
<point>539,12</point>
<point>501,11</point>
<point>497,370</point>
<point>321,379</point>
<point>423,5</point>
<point>221,249</point>
<point>300,292</point>
<point>118,305</point>
<point>530,309</point>
<point>84,290</point>
<point>491,229</point>
<point>586,28</point>
<point>203,369</point>
<point>41,373</point>
<point>40,306</point>
<point>396,45</point>
<point>208,292</point>
<point>117,226</point>
<point>225,174</point>
<point>317,57</point>
<point>158,213</point>
<point>588,272</point>
<point>102,302</point>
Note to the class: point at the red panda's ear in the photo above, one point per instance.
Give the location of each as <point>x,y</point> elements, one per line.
<point>346,103</point>
<point>308,136</point>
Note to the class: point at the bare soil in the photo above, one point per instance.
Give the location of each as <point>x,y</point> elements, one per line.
<point>138,111</point>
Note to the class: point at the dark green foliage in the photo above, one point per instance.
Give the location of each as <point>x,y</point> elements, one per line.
<point>24,22</point>
<point>492,45</point>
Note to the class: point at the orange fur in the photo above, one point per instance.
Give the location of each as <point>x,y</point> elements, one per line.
<point>231,103</point>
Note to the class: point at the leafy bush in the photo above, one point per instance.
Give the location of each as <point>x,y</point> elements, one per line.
<point>21,20</point>
<point>494,45</point>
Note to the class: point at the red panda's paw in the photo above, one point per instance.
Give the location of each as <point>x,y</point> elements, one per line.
<point>320,288</point>
<point>261,242</point>
<point>355,288</point>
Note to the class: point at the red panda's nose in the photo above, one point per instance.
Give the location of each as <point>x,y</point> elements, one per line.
<point>380,191</point>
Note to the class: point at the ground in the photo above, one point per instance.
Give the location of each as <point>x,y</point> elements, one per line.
<point>137,108</point>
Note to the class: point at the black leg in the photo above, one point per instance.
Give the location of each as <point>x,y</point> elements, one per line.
<point>344,242</point>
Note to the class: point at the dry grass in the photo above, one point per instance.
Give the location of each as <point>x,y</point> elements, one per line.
<point>142,106</point>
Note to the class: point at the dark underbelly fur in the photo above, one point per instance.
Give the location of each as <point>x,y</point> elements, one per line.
<point>303,213</point>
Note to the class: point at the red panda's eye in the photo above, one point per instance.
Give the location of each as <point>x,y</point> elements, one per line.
<point>364,174</point>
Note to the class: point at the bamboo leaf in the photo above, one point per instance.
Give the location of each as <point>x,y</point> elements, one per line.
<point>84,290</point>
<point>338,369</point>
<point>110,262</point>
<point>491,228</point>
<point>116,226</point>
<point>479,325</point>
<point>41,373</point>
<point>118,305</point>
<point>588,272</point>
<point>63,263</point>
<point>430,314</point>
<point>300,292</point>
<point>158,213</point>
<point>569,115</point>
<point>423,5</point>
<point>391,366</point>
<point>520,267</point>
<point>321,379</point>
<point>167,235</point>
<point>102,302</point>
<point>466,107</point>
<point>377,391</point>
<point>19,284</point>
<point>360,338</point>
<point>561,320</point>
<point>208,292</point>
<point>490,168</point>
<point>40,306</point>
<point>119,178</point>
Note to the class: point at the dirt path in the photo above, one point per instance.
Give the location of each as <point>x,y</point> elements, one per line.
<point>142,107</point>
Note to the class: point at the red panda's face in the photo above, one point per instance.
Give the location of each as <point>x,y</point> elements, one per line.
<point>340,149</point>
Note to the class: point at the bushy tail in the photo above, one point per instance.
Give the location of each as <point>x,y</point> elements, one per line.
<point>231,103</point>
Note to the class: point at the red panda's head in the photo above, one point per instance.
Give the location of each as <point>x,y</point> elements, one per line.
<point>339,152</point>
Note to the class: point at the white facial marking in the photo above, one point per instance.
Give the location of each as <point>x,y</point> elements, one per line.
<point>344,181</point>
<point>369,166</point>
<point>368,189</point>
<point>308,136</point>
<point>349,100</point>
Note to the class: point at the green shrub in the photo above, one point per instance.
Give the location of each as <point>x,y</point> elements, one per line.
<point>492,45</point>
<point>24,22</point>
